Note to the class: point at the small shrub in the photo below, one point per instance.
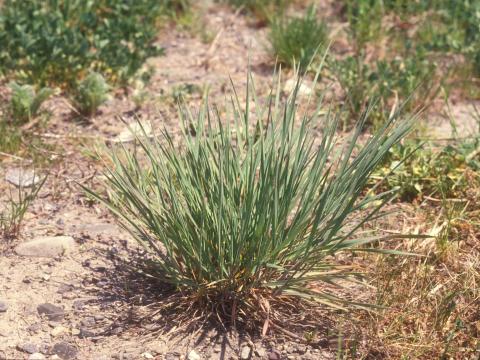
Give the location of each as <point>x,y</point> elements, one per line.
<point>297,40</point>
<point>25,102</point>
<point>242,211</point>
<point>91,93</point>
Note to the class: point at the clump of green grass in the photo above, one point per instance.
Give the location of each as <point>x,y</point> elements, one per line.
<point>247,211</point>
<point>91,93</point>
<point>25,101</point>
<point>14,210</point>
<point>295,41</point>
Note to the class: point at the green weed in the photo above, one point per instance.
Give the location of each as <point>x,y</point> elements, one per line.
<point>57,42</point>
<point>445,172</point>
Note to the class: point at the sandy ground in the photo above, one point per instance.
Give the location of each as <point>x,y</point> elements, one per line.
<point>95,321</point>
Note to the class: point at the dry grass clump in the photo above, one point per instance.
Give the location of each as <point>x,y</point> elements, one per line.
<point>432,300</point>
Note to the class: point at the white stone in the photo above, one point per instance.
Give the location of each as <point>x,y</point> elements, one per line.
<point>36,356</point>
<point>134,130</point>
<point>192,355</point>
<point>245,354</point>
<point>303,90</point>
<point>46,246</point>
<point>22,177</point>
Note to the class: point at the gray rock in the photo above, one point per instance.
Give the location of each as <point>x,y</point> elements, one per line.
<point>46,246</point>
<point>85,333</point>
<point>37,356</point>
<point>22,177</point>
<point>88,321</point>
<point>64,288</point>
<point>171,356</point>
<point>34,328</point>
<point>193,355</point>
<point>274,355</point>
<point>28,347</point>
<point>52,312</point>
<point>64,350</point>
<point>3,306</point>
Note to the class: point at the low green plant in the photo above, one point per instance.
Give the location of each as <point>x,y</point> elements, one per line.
<point>295,41</point>
<point>57,42</point>
<point>244,212</point>
<point>14,210</point>
<point>365,21</point>
<point>91,93</point>
<point>444,172</point>
<point>25,101</point>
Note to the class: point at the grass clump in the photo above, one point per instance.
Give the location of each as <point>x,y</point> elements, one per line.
<point>14,209</point>
<point>91,93</point>
<point>295,41</point>
<point>25,101</point>
<point>248,208</point>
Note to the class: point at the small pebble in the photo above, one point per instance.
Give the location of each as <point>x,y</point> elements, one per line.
<point>28,348</point>
<point>3,306</point>
<point>245,354</point>
<point>52,312</point>
<point>192,355</point>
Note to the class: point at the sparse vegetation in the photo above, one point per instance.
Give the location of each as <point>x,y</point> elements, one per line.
<point>385,85</point>
<point>58,42</point>
<point>13,210</point>
<point>295,41</point>
<point>262,10</point>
